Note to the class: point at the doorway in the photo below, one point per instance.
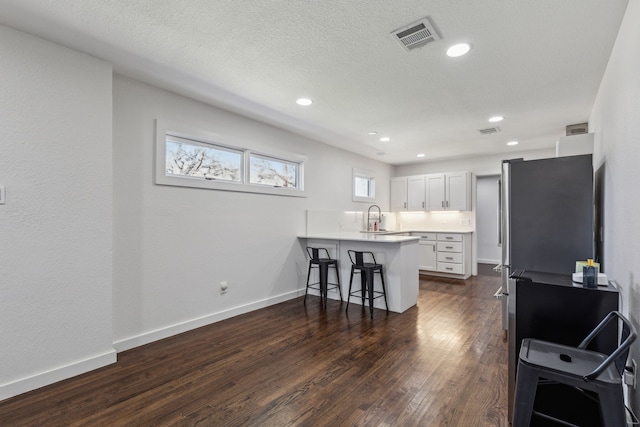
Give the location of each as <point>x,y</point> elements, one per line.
<point>487,219</point>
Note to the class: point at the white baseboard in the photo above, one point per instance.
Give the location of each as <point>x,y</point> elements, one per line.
<point>489,261</point>
<point>58,374</point>
<point>158,334</point>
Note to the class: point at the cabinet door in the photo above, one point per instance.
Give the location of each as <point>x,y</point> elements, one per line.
<point>416,193</point>
<point>398,192</point>
<point>457,191</point>
<point>435,192</point>
<point>427,255</point>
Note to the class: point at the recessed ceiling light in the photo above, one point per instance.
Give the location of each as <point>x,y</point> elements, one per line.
<point>458,50</point>
<point>420,155</point>
<point>496,119</point>
<point>373,132</point>
<point>304,102</point>
<point>385,139</point>
<point>512,143</point>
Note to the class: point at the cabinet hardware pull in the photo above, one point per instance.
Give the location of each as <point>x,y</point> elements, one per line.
<point>405,205</point>
<point>449,257</point>
<point>423,204</point>
<point>443,203</point>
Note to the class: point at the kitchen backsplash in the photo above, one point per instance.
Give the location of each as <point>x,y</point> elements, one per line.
<point>335,221</point>
<point>434,221</point>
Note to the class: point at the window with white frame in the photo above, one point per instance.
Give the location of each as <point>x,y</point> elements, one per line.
<point>194,161</point>
<point>364,186</point>
<point>265,170</point>
<point>189,158</point>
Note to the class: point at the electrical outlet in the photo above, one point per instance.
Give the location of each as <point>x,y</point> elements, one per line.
<point>223,287</point>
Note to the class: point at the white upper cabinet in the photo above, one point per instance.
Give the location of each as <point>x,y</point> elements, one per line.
<point>435,190</point>
<point>458,191</point>
<point>398,192</point>
<point>416,193</point>
<point>449,191</point>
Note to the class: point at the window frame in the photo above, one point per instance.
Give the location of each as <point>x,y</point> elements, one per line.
<point>166,131</point>
<point>370,176</point>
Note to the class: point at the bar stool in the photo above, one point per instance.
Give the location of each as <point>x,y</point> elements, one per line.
<point>364,263</point>
<point>585,370</point>
<point>322,264</point>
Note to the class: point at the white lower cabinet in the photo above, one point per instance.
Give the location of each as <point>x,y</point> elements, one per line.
<point>445,254</point>
<point>428,254</point>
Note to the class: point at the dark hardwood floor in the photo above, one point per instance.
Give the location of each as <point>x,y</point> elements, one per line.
<point>442,363</point>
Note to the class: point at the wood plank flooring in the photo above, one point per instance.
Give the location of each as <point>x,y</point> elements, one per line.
<point>442,363</point>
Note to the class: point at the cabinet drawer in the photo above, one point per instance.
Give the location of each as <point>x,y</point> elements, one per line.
<point>451,257</point>
<point>449,247</point>
<point>450,237</point>
<point>447,267</point>
<point>425,236</point>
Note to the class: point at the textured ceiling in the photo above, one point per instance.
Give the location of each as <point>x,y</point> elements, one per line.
<point>536,62</point>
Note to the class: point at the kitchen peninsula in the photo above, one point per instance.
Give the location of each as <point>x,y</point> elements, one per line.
<point>398,254</point>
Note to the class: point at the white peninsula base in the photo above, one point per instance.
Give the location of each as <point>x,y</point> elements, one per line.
<point>398,254</point>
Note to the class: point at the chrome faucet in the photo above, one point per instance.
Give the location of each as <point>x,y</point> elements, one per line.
<point>369,216</point>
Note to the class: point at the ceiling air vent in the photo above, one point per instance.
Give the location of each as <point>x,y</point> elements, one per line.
<point>577,129</point>
<point>416,34</point>
<point>489,131</point>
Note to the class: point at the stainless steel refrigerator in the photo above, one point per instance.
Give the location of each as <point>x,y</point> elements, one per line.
<point>546,214</point>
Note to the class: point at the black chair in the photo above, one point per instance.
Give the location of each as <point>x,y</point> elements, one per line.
<point>319,258</point>
<point>364,263</point>
<point>595,375</point>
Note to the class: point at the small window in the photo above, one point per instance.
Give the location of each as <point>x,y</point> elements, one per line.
<point>188,158</point>
<point>273,172</point>
<point>364,186</point>
<point>197,159</point>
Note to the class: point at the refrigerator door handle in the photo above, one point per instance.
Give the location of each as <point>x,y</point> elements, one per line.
<point>499,182</point>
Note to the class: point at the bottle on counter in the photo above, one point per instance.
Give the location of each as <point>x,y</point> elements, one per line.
<point>589,275</point>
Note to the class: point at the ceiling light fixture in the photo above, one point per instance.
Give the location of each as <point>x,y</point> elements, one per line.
<point>420,155</point>
<point>512,143</point>
<point>458,50</point>
<point>496,119</point>
<point>385,139</point>
<point>304,102</point>
<point>373,132</point>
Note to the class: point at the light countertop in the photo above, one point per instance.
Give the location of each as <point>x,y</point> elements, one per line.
<point>415,230</point>
<point>361,237</point>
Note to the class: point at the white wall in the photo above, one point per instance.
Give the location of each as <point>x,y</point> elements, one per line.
<point>616,125</point>
<point>56,225</point>
<point>478,165</point>
<point>487,220</point>
<point>174,245</point>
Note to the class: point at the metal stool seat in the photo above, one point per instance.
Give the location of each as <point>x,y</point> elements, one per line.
<point>319,258</point>
<point>585,370</point>
<point>364,263</point>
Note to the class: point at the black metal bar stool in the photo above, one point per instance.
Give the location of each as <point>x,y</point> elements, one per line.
<point>364,263</point>
<point>319,258</point>
<point>588,372</point>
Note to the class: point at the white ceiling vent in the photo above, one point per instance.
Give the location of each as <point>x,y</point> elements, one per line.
<point>489,131</point>
<point>416,34</point>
